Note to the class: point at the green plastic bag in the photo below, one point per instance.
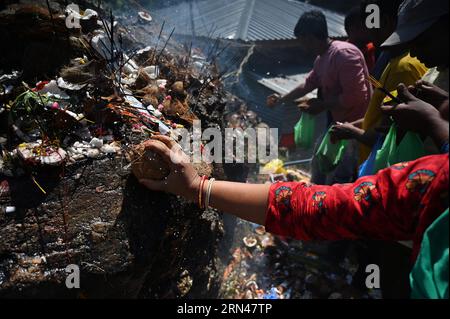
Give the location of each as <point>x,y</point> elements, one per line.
<point>410,148</point>
<point>304,131</point>
<point>329,155</point>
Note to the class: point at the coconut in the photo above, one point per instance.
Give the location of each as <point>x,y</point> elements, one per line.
<point>148,165</point>
<point>178,91</point>
<point>178,87</point>
<point>150,100</point>
<point>175,107</point>
<point>203,168</point>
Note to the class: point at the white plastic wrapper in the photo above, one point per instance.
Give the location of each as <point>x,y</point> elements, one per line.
<point>152,71</point>
<point>52,90</point>
<point>163,129</point>
<point>69,86</point>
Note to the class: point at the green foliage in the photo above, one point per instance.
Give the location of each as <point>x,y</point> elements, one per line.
<point>28,103</point>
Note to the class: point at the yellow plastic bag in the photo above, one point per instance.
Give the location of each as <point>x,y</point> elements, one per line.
<point>274,167</point>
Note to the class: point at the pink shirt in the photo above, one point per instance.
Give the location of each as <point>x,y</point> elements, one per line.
<point>341,73</point>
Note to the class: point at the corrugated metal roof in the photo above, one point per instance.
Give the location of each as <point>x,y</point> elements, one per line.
<point>283,117</point>
<point>246,20</point>
<point>284,85</point>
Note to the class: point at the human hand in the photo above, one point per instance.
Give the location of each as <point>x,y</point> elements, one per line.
<point>183,179</point>
<point>312,106</point>
<point>273,100</point>
<point>414,114</point>
<point>429,93</point>
<point>343,131</point>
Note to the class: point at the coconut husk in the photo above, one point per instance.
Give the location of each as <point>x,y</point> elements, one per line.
<point>203,169</point>
<point>150,95</point>
<point>180,110</point>
<point>178,87</point>
<point>79,73</point>
<point>177,91</point>
<point>150,100</point>
<point>147,164</point>
<point>150,89</point>
<point>175,107</point>
<point>142,80</point>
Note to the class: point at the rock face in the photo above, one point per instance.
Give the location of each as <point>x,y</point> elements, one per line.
<point>127,241</point>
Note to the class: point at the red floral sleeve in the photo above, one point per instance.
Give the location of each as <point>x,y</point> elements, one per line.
<point>398,203</point>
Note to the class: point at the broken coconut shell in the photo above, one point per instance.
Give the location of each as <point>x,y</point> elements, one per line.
<point>250,242</point>
<point>260,230</point>
<point>146,164</point>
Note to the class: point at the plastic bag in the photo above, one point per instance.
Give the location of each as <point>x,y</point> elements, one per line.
<point>368,167</point>
<point>274,167</point>
<point>304,131</point>
<point>329,155</point>
<point>410,148</point>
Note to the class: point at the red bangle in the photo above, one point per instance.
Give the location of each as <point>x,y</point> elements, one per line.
<point>200,191</point>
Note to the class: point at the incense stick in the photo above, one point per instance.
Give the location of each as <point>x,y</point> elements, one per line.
<point>380,87</point>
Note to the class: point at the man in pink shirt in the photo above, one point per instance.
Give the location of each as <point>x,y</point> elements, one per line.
<point>341,74</point>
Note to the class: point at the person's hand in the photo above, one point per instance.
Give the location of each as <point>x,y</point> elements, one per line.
<point>273,100</point>
<point>414,114</point>
<point>312,106</point>
<point>429,93</point>
<point>343,131</point>
<point>183,179</point>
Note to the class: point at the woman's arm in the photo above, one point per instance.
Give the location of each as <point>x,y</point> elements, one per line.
<point>386,206</point>
<point>246,201</point>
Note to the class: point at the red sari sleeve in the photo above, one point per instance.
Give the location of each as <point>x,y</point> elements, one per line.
<point>398,203</point>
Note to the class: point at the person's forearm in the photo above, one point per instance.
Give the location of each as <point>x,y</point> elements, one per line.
<point>246,201</point>
<point>358,123</point>
<point>358,134</point>
<point>379,207</point>
<point>367,138</point>
<point>439,130</point>
<point>295,94</point>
